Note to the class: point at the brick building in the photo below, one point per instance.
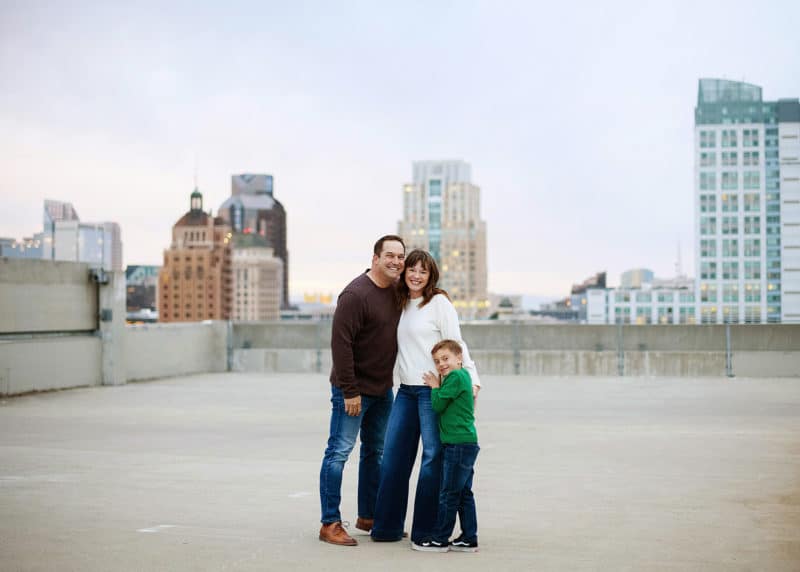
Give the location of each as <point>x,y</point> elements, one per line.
<point>196,282</point>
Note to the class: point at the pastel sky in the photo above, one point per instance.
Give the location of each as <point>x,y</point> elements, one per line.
<point>577,118</point>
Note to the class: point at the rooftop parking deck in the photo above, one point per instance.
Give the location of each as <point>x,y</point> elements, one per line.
<point>220,472</point>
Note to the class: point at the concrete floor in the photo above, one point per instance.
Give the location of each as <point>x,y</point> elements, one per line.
<point>220,472</point>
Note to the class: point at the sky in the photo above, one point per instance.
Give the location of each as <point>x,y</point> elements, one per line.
<point>577,119</point>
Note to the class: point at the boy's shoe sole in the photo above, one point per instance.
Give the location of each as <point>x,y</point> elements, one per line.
<point>463,548</point>
<point>429,548</point>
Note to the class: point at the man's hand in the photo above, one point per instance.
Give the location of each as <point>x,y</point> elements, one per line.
<point>352,405</point>
<point>431,379</point>
<point>475,390</point>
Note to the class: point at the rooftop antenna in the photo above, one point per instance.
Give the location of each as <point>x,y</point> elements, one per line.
<point>195,170</point>
<point>678,265</point>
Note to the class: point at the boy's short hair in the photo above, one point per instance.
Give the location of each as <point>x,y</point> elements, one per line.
<point>451,345</point>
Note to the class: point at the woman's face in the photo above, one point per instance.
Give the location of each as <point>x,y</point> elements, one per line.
<point>416,279</point>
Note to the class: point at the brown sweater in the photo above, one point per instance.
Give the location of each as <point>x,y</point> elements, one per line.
<point>364,338</point>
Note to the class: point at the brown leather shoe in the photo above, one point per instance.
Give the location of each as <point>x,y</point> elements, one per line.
<point>334,533</point>
<point>364,524</point>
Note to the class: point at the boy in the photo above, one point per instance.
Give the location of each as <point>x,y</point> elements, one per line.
<point>452,400</point>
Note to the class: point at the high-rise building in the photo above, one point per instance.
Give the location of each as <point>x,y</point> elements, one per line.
<point>96,243</point>
<point>635,278</point>
<point>747,205</point>
<point>257,279</point>
<point>54,211</point>
<point>30,247</point>
<point>65,237</point>
<point>141,283</point>
<point>195,282</point>
<point>578,298</point>
<point>441,214</point>
<point>252,209</point>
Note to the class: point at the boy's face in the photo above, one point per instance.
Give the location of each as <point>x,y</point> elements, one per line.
<point>446,361</point>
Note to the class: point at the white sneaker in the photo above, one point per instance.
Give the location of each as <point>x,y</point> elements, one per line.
<point>461,545</point>
<point>429,545</point>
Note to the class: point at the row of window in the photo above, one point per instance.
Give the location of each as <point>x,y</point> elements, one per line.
<point>187,273</point>
<point>730,180</point>
<point>624,296</point>
<point>187,295</point>
<point>731,159</point>
<point>188,305</point>
<point>194,235</point>
<point>644,315</point>
<point>730,247</point>
<point>731,293</point>
<point>729,137</point>
<point>200,256</point>
<point>730,202</point>
<point>730,315</point>
<point>730,225</point>
<point>200,308</point>
<point>730,270</point>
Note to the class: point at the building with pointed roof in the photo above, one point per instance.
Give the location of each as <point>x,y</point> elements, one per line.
<point>195,282</point>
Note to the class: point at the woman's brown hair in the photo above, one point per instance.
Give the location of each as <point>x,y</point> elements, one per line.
<point>431,288</point>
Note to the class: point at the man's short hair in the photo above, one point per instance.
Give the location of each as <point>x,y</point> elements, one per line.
<point>450,345</point>
<point>379,245</point>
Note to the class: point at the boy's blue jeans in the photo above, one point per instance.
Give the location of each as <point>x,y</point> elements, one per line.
<point>371,423</point>
<point>455,493</point>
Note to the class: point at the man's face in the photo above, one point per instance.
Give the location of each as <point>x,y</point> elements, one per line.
<point>390,262</point>
<point>446,361</point>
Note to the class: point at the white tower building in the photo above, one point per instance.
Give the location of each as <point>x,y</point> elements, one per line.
<point>441,214</point>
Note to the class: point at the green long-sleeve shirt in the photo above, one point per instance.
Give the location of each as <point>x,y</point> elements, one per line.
<point>454,403</point>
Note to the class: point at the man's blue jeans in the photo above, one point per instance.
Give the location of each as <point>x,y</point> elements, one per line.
<point>456,492</point>
<point>412,416</point>
<point>343,432</point>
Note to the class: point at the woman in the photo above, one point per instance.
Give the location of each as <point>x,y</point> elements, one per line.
<point>428,317</point>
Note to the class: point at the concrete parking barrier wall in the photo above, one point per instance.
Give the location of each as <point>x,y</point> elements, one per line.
<point>278,346</point>
<point>556,350</point>
<point>39,364</point>
<point>50,333</point>
<point>46,296</point>
<point>166,350</point>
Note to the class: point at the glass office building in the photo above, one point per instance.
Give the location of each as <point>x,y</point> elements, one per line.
<point>441,214</point>
<point>747,205</point>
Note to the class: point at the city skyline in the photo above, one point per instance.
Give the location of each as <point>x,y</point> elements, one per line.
<point>578,127</point>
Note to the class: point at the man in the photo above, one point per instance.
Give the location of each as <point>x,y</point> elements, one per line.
<point>364,347</point>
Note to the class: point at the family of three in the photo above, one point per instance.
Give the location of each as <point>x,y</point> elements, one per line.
<point>393,324</point>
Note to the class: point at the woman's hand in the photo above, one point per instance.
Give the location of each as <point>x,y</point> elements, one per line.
<point>431,379</point>
<point>475,390</point>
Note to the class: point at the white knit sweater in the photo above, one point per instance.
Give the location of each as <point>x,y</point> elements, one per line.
<point>419,330</point>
